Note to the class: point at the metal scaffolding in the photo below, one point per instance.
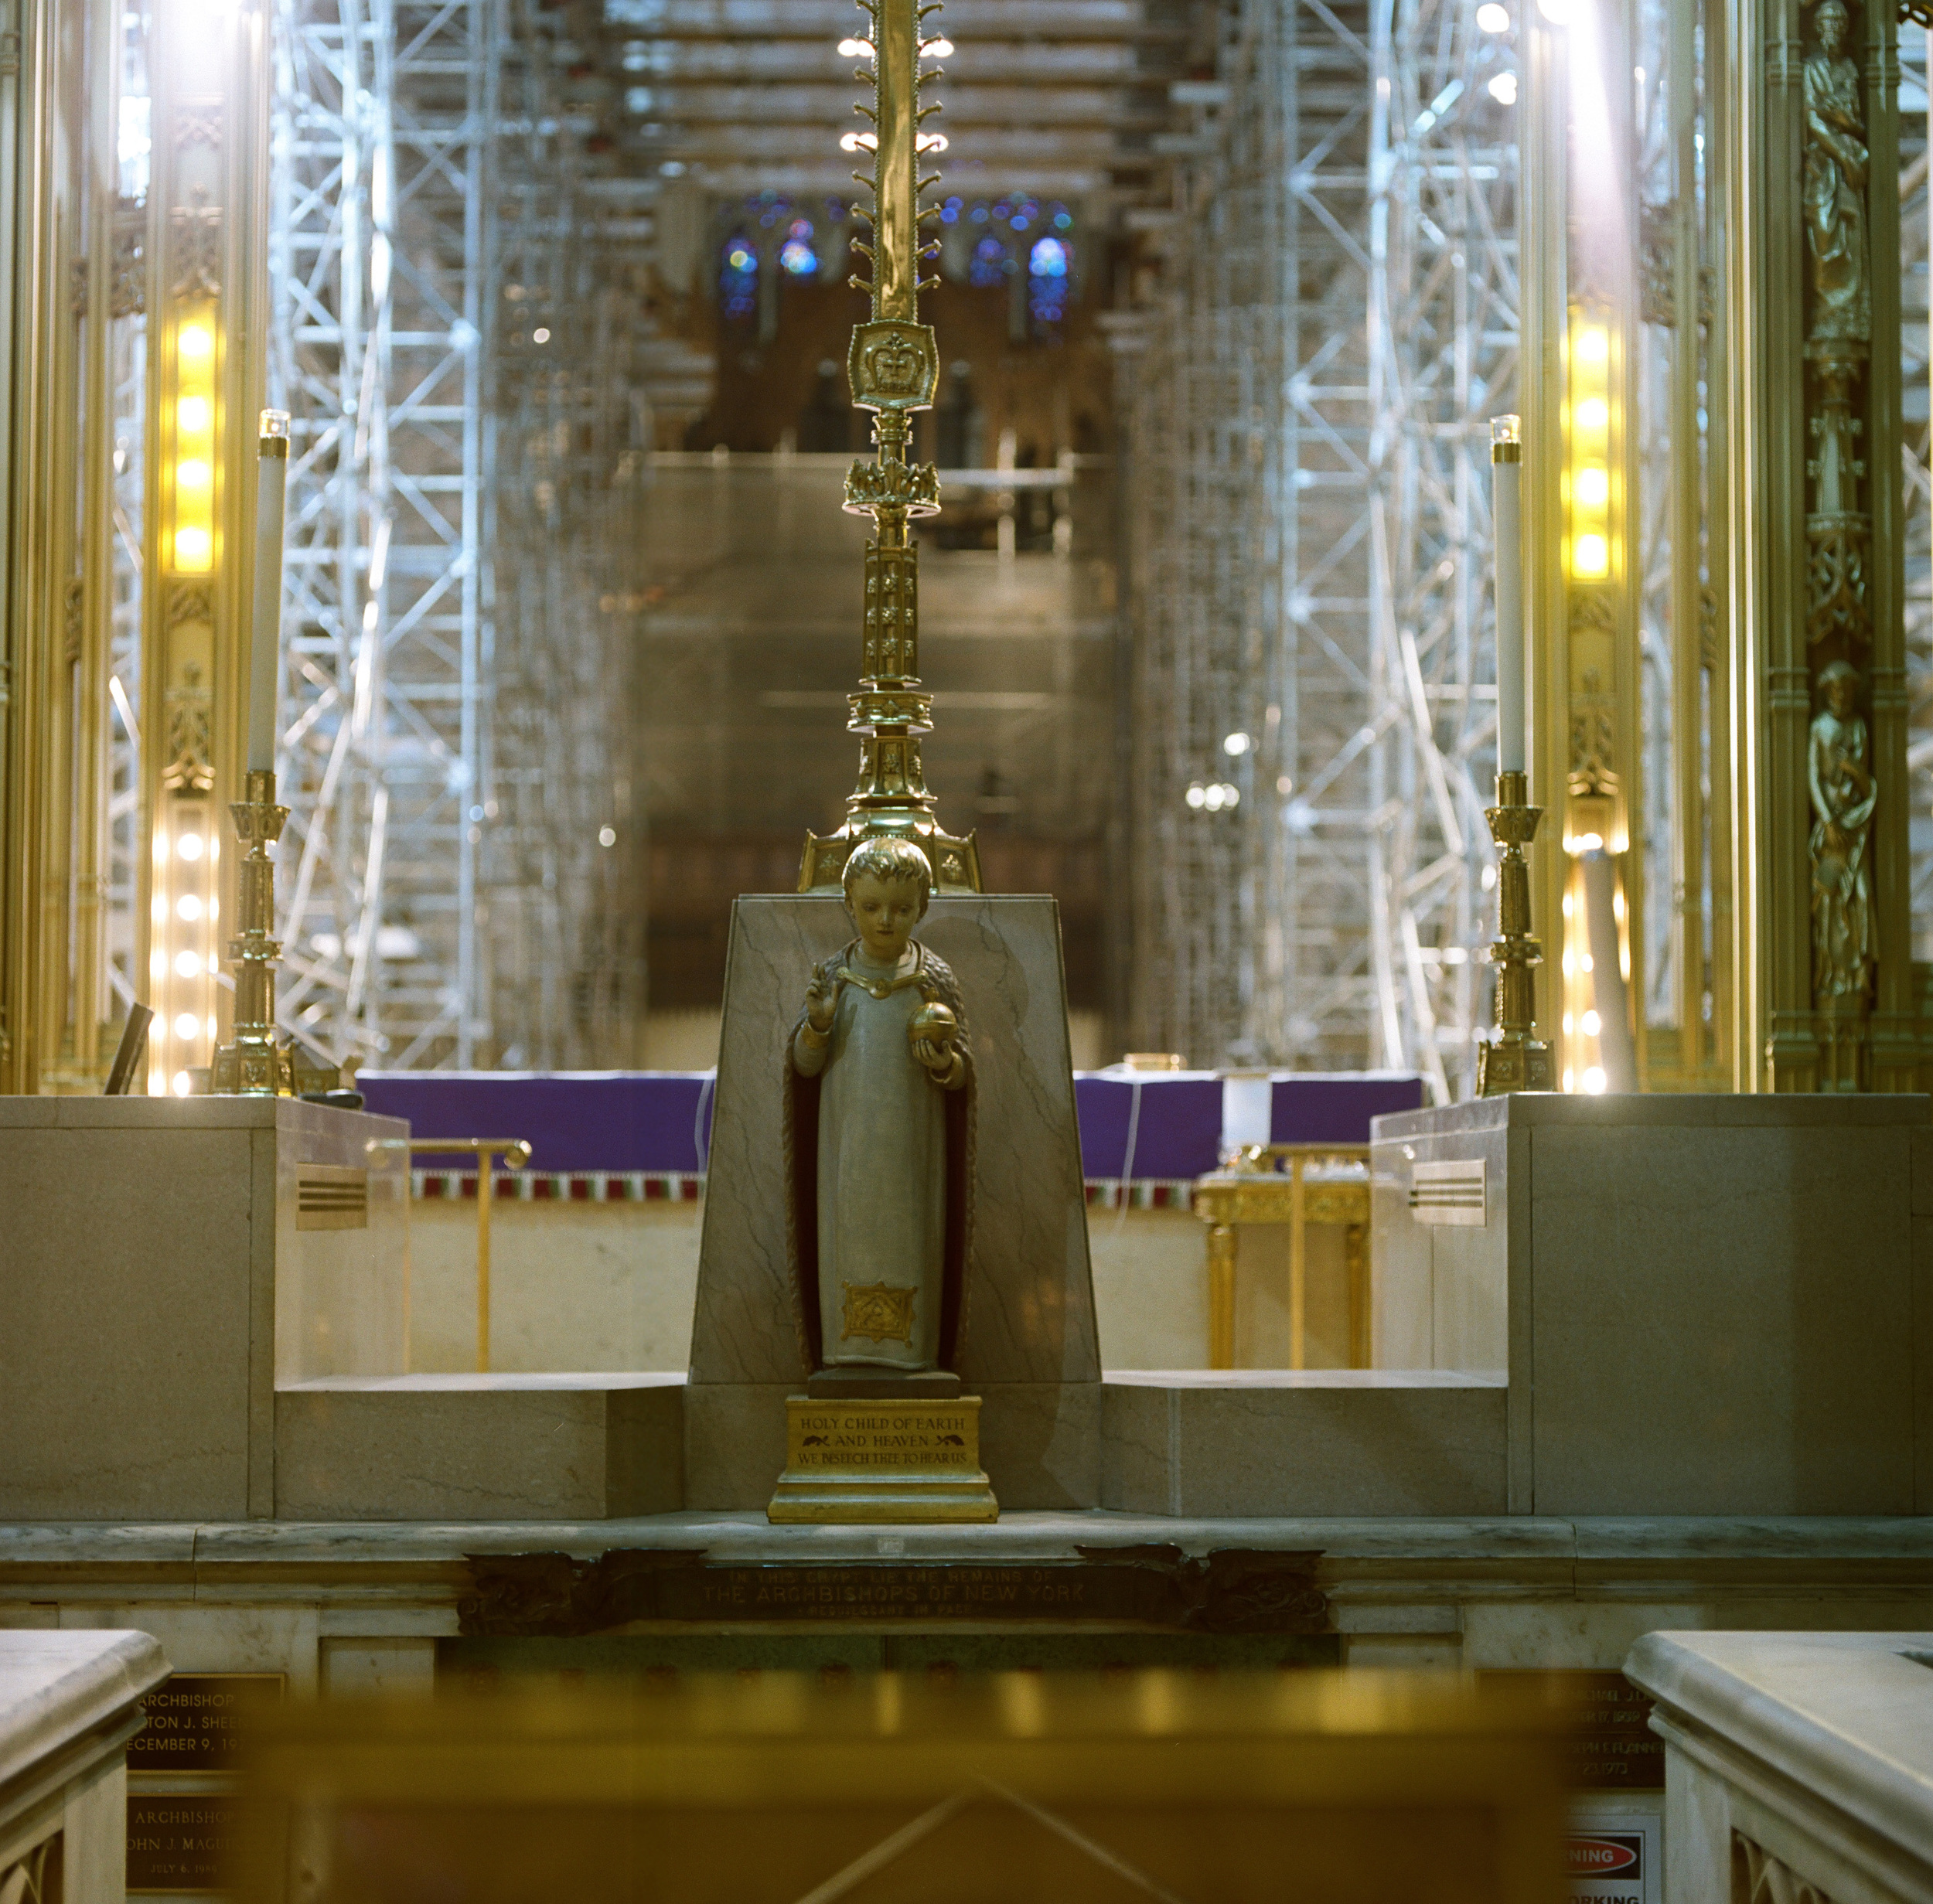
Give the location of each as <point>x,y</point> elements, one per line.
<point>383,113</point>
<point>451,341</point>
<point>1308,560</point>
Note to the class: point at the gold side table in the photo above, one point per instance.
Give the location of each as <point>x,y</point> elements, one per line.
<point>1271,1184</point>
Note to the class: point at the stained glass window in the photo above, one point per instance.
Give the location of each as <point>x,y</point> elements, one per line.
<point>1047,264</point>
<point>738,278</point>
<point>796,254</point>
<point>989,263</point>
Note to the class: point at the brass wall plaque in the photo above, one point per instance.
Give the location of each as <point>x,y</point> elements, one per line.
<point>184,1841</point>
<point>192,1719</point>
<point>1450,1192</point>
<point>331,1196</point>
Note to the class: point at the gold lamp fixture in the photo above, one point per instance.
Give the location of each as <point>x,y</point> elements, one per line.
<point>893,370</point>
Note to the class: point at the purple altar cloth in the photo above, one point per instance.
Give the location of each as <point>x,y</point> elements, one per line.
<point>579,1121</point>
<point>574,1121</point>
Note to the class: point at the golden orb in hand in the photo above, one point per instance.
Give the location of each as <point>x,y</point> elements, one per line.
<point>934,1024</point>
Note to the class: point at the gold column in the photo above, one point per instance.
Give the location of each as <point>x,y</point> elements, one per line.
<point>1809,201</point>
<point>208,306</point>
<point>1578,243</point>
<point>38,90</point>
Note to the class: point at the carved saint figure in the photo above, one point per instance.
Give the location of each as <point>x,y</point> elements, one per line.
<point>1839,768</point>
<point>1834,186</point>
<point>879,1133</point>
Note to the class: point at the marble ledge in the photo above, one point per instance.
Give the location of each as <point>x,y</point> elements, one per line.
<point>60,1691</point>
<point>1668,1109</point>
<point>1840,1717</point>
<point>1531,1549</point>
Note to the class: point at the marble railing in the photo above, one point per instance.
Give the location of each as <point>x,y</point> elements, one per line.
<point>1798,1766</point>
<point>69,1703</point>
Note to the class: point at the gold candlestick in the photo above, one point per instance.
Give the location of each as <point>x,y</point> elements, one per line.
<point>894,369</point>
<point>255,1065</point>
<point>1516,1059</point>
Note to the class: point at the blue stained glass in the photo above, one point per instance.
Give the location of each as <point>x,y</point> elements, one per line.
<point>738,279</point>
<point>1047,264</point>
<point>797,255</point>
<point>988,264</point>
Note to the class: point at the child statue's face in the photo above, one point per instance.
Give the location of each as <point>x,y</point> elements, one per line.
<point>885,914</point>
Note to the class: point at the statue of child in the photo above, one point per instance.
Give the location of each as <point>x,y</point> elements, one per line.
<point>884,1034</point>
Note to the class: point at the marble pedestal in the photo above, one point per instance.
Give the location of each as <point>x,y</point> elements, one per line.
<point>1030,1349</point>
<point>165,1264</point>
<point>1700,1305</point>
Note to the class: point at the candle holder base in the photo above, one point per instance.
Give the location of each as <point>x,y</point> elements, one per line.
<point>1516,1059</point>
<point>254,1066</point>
<point>1510,1064</point>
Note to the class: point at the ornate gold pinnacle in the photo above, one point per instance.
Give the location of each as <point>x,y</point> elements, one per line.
<point>893,370</point>
<point>1515,1060</point>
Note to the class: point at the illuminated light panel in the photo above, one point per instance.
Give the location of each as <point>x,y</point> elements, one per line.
<point>188,531</point>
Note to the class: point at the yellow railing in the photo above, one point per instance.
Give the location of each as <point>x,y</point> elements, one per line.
<point>516,1152</point>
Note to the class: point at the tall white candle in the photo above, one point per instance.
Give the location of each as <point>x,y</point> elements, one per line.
<point>265,628</point>
<point>1506,512</point>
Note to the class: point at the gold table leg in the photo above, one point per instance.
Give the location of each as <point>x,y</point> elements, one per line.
<point>1298,1265</point>
<point>1221,1277</point>
<point>485,1183</point>
<point>1355,1259</point>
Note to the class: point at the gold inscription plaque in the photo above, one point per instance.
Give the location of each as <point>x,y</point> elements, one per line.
<point>875,1461</point>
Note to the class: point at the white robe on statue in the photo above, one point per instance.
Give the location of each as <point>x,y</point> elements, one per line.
<point>882,1180</point>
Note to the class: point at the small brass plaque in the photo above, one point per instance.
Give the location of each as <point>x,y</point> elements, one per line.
<point>180,1842</point>
<point>331,1196</point>
<point>863,1461</point>
<point>192,1718</point>
<point>902,1436</point>
<point>1450,1192</point>
<point>877,1312</point>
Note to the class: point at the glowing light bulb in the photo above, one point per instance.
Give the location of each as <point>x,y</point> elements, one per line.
<point>193,415</point>
<point>180,1086</point>
<point>187,965</point>
<point>1591,486</point>
<point>194,548</point>
<point>940,48</point>
<point>1592,1023</point>
<point>193,474</point>
<point>1590,558</point>
<point>1236,744</point>
<point>187,1025</point>
<point>188,906</point>
<point>541,335</point>
<point>607,835</point>
<point>1492,19</point>
<point>855,142</point>
<point>1197,796</point>
<point>1595,1079</point>
<point>190,846</point>
<point>1593,413</point>
<point>196,341</point>
<point>855,49</point>
<point>1503,86</point>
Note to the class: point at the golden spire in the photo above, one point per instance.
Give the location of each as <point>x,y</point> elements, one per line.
<point>894,369</point>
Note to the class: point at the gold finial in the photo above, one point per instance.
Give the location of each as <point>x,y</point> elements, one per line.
<point>894,369</point>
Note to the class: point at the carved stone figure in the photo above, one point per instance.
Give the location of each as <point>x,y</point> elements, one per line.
<point>879,1134</point>
<point>1839,769</point>
<point>1834,186</point>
